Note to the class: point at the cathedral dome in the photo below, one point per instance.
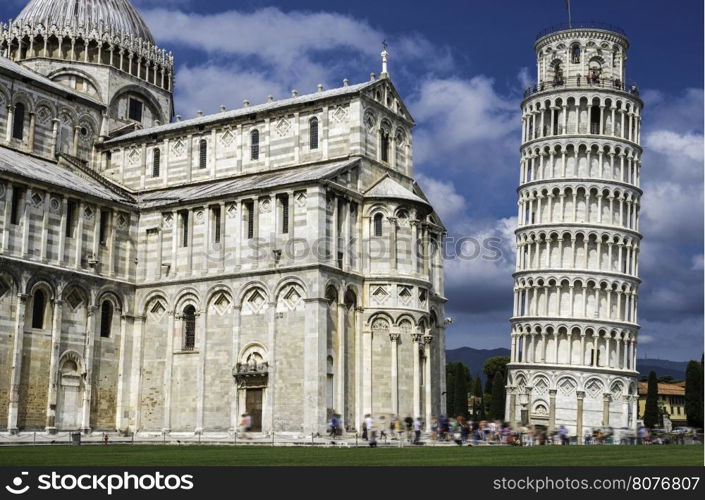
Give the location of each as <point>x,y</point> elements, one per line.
<point>117,16</point>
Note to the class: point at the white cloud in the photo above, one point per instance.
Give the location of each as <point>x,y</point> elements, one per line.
<point>207,86</point>
<point>450,205</point>
<point>697,263</point>
<point>672,212</point>
<point>668,142</point>
<point>459,113</point>
<point>524,77</point>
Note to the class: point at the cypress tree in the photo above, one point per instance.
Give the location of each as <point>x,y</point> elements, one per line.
<point>450,388</point>
<point>498,397</point>
<point>461,391</point>
<point>694,394</point>
<point>651,410</point>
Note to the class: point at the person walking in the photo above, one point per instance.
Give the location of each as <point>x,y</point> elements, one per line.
<point>417,430</point>
<point>371,431</point>
<point>245,425</point>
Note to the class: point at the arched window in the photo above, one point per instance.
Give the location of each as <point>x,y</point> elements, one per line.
<point>189,328</point>
<point>313,133</point>
<point>378,224</point>
<point>38,308</point>
<point>595,70</point>
<point>575,53</point>
<point>384,146</point>
<point>254,145</point>
<point>203,153</point>
<point>156,162</point>
<point>557,73</point>
<point>106,318</point>
<point>18,121</point>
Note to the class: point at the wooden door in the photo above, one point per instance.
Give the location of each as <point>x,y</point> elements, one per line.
<point>253,407</point>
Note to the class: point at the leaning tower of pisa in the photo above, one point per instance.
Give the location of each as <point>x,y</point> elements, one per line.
<point>574,324</point>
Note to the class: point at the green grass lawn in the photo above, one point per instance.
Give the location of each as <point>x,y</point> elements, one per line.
<point>139,455</point>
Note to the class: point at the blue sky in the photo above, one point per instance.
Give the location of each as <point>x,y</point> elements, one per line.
<point>460,67</point>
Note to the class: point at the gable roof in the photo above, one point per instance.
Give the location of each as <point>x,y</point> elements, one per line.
<point>8,66</point>
<point>386,188</point>
<point>249,110</point>
<point>663,389</point>
<point>30,167</point>
<point>243,184</point>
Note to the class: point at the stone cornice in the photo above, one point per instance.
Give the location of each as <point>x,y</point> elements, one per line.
<point>580,138</point>
<point>569,322</point>
<point>587,182</point>
<point>589,274</point>
<point>567,226</point>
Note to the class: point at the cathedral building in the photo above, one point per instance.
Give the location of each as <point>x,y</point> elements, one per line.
<point>160,275</point>
<point>574,327</point>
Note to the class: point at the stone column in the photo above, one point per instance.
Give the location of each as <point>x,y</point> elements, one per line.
<point>54,365</point>
<point>579,417</point>
<point>45,228</point>
<point>169,358</point>
<point>272,376</point>
<point>315,363</point>
<point>200,344</point>
<point>32,128</point>
<point>16,370</point>
<point>394,338</point>
<point>342,367</point>
<point>26,209</point>
<point>79,233</point>
<point>10,193</point>
<point>189,254</point>
<point>234,354</point>
<point>126,323</point>
<point>358,369</point>
<point>88,357</point>
<point>416,340</point>
<point>393,243</point>
<point>136,375</point>
<point>54,146</point>
<point>606,409</point>
<point>552,410</point>
<point>74,143</point>
<point>223,218</point>
<point>427,339</point>
<point>512,407</point>
<point>10,122</point>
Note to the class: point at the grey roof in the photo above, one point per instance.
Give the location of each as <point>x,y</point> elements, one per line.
<point>389,188</point>
<point>249,110</point>
<point>118,16</point>
<point>23,72</point>
<point>254,182</point>
<point>30,167</point>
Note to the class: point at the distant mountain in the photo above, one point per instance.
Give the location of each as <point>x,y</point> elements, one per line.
<point>662,367</point>
<point>475,360</point>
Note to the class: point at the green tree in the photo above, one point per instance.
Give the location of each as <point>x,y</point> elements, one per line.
<point>651,411</point>
<point>498,397</point>
<point>497,364</point>
<point>694,394</point>
<point>450,388</point>
<point>461,391</point>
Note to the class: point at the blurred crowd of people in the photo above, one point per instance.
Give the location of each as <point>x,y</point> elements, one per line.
<point>463,431</point>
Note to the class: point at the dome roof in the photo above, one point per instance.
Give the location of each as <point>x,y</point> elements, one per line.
<point>118,16</point>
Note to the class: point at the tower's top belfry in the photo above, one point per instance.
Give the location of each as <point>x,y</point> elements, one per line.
<point>580,54</point>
